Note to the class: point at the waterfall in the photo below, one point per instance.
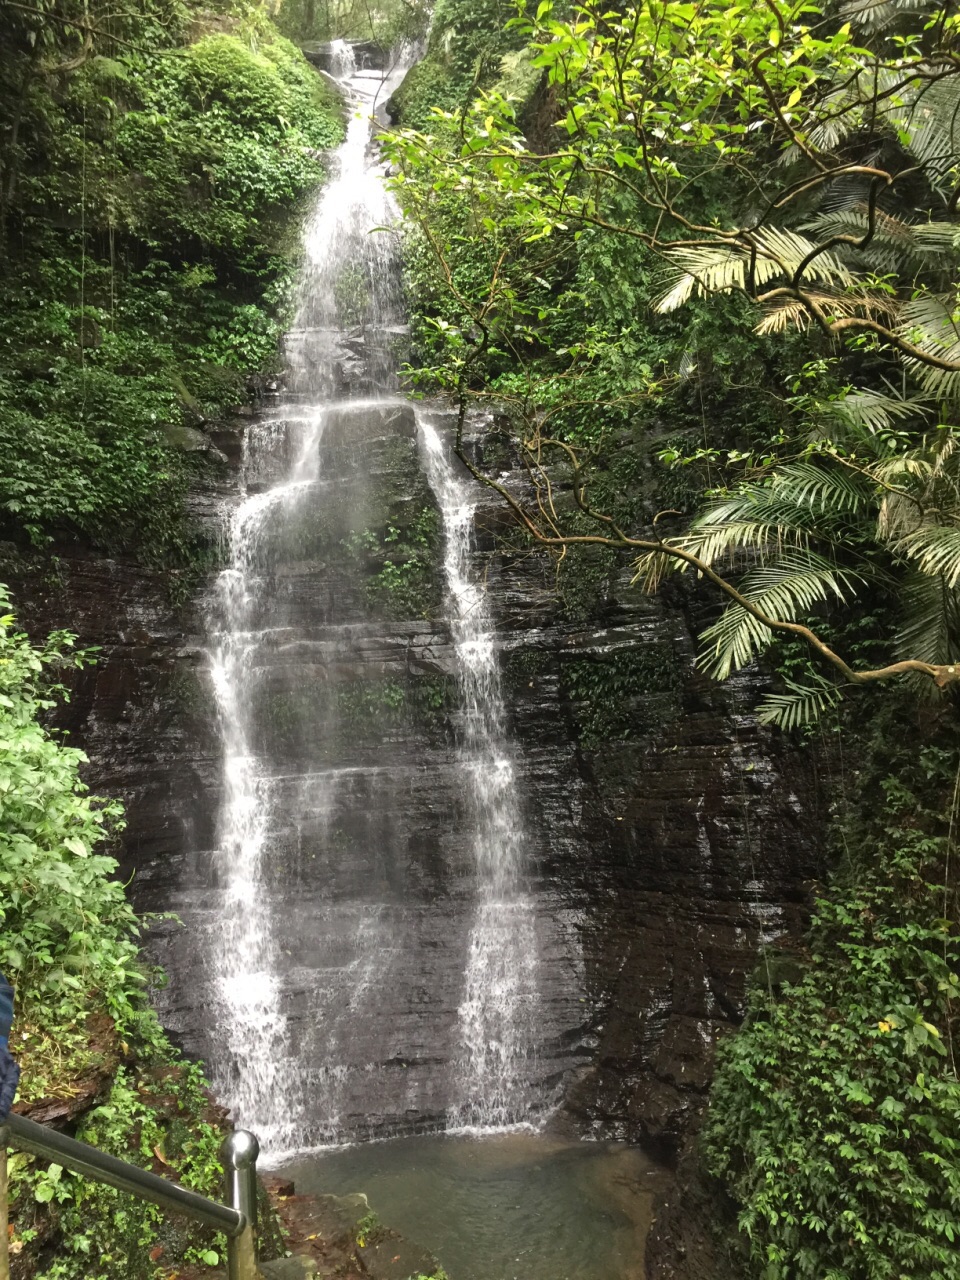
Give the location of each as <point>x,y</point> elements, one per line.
<point>347,276</point>
<point>499,1012</point>
<point>344,997</point>
<point>250,1077</point>
<point>344,64</point>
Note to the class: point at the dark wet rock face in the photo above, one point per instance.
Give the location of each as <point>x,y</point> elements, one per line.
<point>659,861</point>
<point>678,849</point>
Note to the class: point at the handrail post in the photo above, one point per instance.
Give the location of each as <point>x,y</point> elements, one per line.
<point>240,1150</point>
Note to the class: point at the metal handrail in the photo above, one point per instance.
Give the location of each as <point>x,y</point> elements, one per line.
<point>237,1219</point>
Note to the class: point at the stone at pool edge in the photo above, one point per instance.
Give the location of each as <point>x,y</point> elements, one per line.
<point>295,1268</point>
<point>389,1258</point>
<point>328,1225</point>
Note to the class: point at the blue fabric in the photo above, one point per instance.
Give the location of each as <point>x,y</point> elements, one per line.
<point>6,1011</point>
<point>9,1071</point>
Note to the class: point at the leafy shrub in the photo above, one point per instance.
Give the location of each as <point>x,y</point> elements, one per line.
<point>156,194</point>
<point>835,1114</point>
<point>68,942</point>
<point>67,932</point>
<point>159,1117</point>
<point>623,695</point>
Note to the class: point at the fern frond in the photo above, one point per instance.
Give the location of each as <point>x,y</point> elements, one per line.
<point>803,705</point>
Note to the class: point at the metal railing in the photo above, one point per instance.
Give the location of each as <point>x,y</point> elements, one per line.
<point>237,1219</point>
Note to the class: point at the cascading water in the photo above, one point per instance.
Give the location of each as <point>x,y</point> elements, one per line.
<point>368,952</point>
<point>499,1011</point>
<point>347,273</point>
<point>250,1077</point>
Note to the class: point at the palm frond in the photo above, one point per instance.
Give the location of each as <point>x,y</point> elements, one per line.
<point>726,266</point>
<point>872,16</point>
<point>651,568</point>
<point>935,549</point>
<point>837,114</point>
<point>764,521</point>
<point>794,585</point>
<point>927,631</point>
<point>930,323</point>
<point>873,411</point>
<point>712,544</point>
<point>937,237</point>
<point>824,490</point>
<point>793,313</point>
<point>896,516</point>
<point>714,540</point>
<point>929,126</point>
<point>802,705</point>
<point>904,468</point>
<point>895,242</point>
<point>688,366</point>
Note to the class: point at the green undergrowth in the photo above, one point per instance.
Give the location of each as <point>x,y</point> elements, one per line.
<point>834,1118</point>
<point>150,208</point>
<point>157,1114</point>
<point>398,564</point>
<point>362,709</point>
<point>623,695</point>
<point>84,1032</point>
<point>464,52</point>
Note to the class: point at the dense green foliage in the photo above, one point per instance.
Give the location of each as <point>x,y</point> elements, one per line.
<point>148,187</point>
<point>622,695</point>
<point>835,1115</point>
<point>158,1116</point>
<point>68,940</point>
<point>67,933</point>
<point>387,23</point>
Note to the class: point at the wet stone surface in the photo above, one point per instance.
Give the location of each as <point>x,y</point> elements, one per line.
<point>658,864</point>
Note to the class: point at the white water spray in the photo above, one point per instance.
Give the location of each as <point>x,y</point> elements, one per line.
<point>499,1010</point>
<point>347,275</point>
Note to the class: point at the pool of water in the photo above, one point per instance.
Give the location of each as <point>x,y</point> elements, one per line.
<point>516,1206</point>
